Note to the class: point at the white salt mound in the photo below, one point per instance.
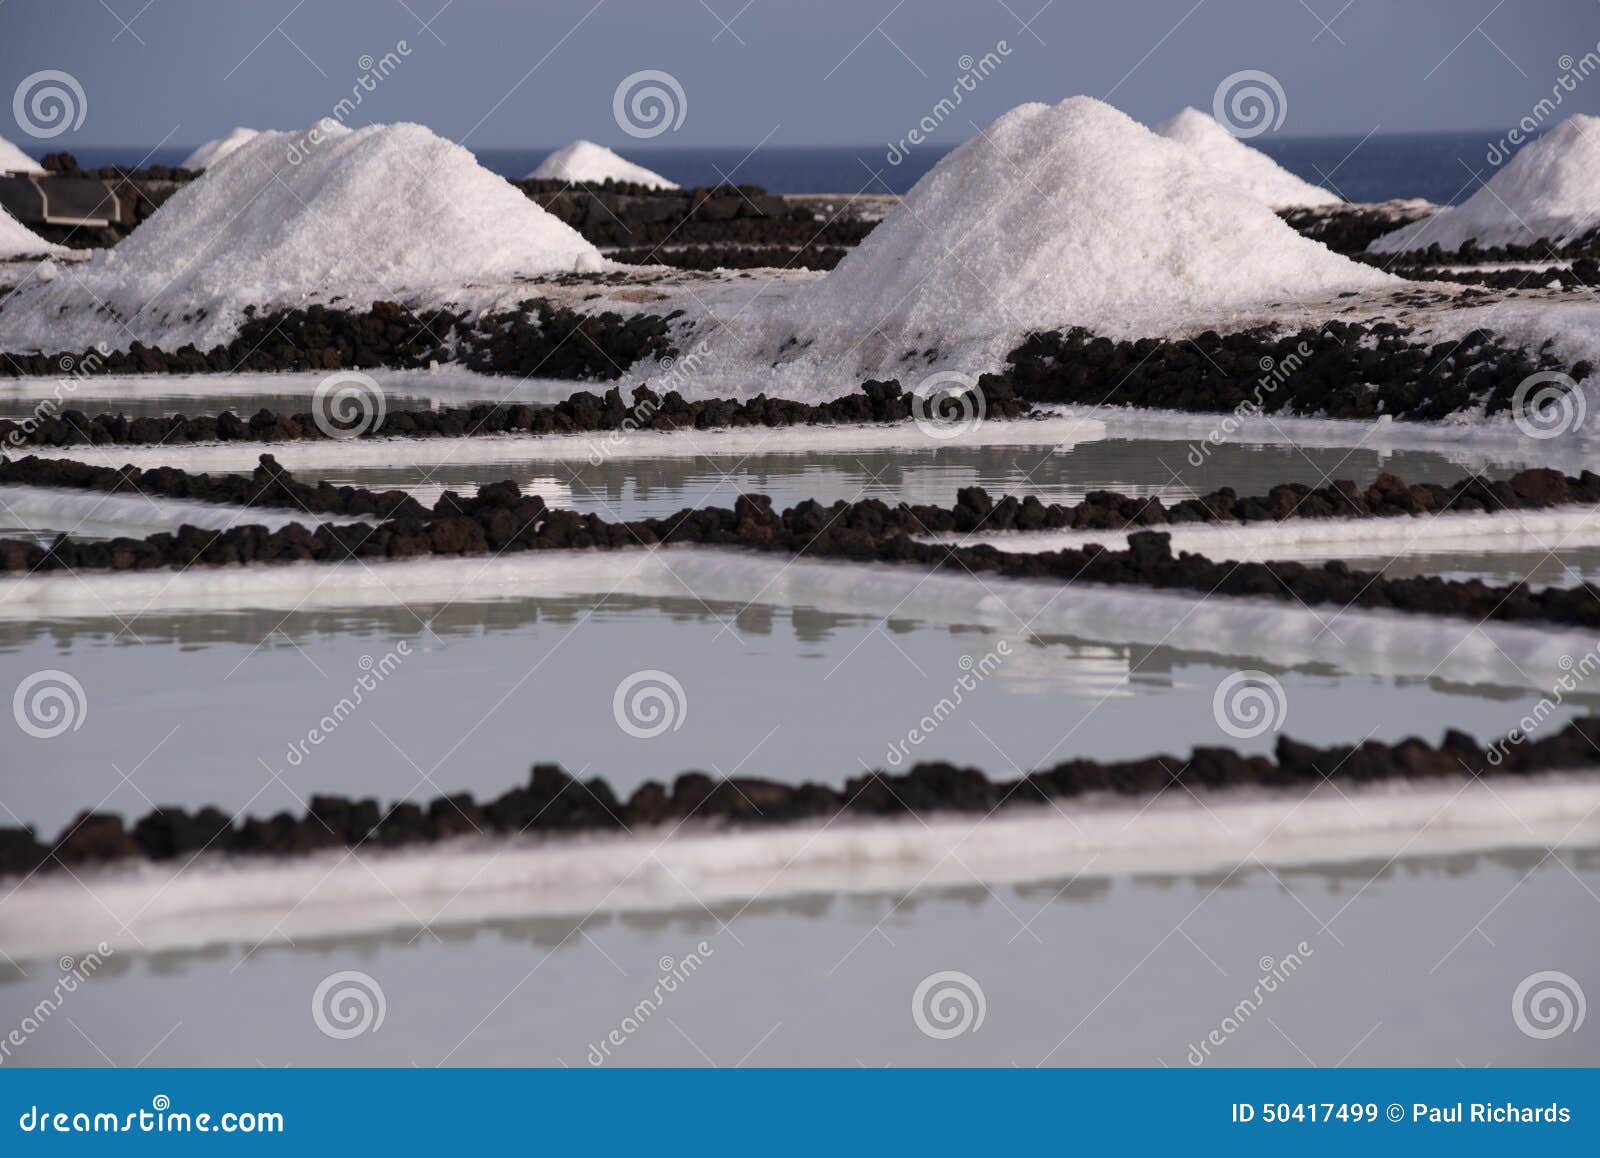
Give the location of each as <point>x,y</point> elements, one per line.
<point>211,152</point>
<point>1231,159</point>
<point>17,240</point>
<point>1549,191</point>
<point>14,160</point>
<point>1072,215</point>
<point>379,212</point>
<point>586,161</point>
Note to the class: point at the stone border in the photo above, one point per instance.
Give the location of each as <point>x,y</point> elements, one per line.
<point>552,802</point>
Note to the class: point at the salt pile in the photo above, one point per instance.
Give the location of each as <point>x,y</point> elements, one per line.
<point>211,152</point>
<point>387,211</point>
<point>587,162</point>
<point>17,240</point>
<point>1231,159</point>
<point>1549,191</point>
<point>14,160</point>
<point>1072,215</point>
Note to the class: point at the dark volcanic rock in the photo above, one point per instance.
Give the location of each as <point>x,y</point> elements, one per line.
<point>554,802</point>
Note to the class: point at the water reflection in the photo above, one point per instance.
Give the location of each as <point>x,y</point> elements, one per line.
<point>1088,970</point>
<point>645,487</point>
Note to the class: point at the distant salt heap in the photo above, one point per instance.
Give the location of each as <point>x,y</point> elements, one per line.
<point>17,240</point>
<point>1229,158</point>
<point>1072,215</point>
<point>388,211</point>
<point>14,160</point>
<point>589,163</point>
<point>211,152</point>
<point>1549,191</point>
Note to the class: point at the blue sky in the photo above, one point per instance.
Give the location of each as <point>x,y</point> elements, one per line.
<point>498,73</point>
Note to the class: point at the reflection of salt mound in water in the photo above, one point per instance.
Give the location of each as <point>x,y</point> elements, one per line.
<point>213,151</point>
<point>380,211</point>
<point>1550,191</point>
<point>1230,159</point>
<point>14,160</point>
<point>585,161</point>
<point>1053,216</point>
<point>17,240</point>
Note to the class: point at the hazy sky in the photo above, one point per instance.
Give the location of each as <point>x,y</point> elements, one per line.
<point>790,72</point>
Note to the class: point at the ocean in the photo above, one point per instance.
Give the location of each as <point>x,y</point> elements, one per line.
<point>1442,167</point>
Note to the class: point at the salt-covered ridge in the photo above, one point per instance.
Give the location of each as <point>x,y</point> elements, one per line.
<point>1280,631</point>
<point>289,218</point>
<point>14,160</point>
<point>584,162</point>
<point>104,515</point>
<point>1548,192</point>
<point>1230,159</point>
<point>215,150</point>
<point>18,241</point>
<point>188,905</point>
<point>1053,216</point>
